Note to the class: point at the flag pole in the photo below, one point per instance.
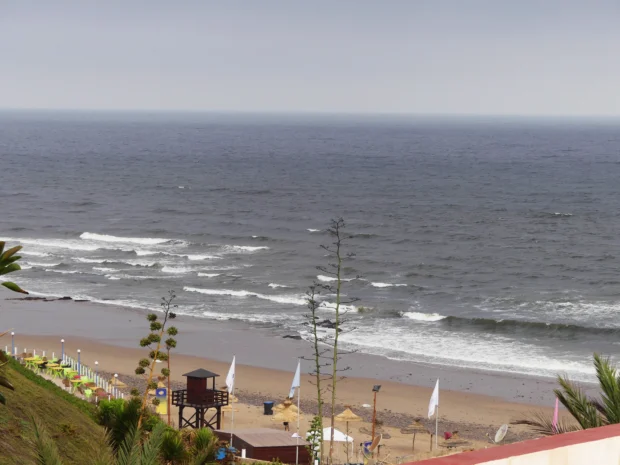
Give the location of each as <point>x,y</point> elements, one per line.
<point>436,424</point>
<point>298,416</point>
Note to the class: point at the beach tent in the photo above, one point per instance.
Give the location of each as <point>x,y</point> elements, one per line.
<point>339,436</point>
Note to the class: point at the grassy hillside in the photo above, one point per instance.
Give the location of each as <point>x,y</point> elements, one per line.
<point>67,419</point>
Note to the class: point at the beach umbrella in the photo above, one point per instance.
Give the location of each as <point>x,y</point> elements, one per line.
<point>378,430</point>
<point>348,417</point>
<point>415,427</point>
<point>286,415</point>
<point>287,404</point>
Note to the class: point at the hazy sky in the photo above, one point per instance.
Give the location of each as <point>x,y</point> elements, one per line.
<point>547,57</point>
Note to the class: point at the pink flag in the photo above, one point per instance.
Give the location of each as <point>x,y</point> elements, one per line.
<point>555,415</point>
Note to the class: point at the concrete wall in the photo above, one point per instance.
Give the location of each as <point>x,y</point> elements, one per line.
<point>598,446</point>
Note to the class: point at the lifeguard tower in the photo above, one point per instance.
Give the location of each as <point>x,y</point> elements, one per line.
<point>201,396</point>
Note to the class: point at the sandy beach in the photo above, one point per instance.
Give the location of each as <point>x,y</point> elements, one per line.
<point>265,367</point>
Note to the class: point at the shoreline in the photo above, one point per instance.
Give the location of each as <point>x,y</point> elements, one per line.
<point>217,341</point>
<point>265,368</point>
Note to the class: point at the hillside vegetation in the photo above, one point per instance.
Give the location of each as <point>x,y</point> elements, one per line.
<point>68,420</point>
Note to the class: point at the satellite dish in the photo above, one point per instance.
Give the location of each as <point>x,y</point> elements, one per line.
<point>368,451</point>
<point>501,433</point>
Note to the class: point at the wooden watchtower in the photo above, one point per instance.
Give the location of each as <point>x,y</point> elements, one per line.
<point>200,397</point>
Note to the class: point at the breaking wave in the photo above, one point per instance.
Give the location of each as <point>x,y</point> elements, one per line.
<point>281,299</point>
<point>126,240</point>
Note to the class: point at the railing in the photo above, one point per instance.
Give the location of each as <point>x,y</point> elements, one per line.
<point>208,398</point>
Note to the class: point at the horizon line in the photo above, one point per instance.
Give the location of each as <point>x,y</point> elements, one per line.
<point>311,113</point>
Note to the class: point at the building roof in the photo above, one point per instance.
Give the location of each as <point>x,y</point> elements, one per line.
<point>520,449</point>
<point>266,437</point>
<point>201,373</point>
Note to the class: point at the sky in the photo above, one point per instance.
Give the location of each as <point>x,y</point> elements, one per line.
<point>526,57</point>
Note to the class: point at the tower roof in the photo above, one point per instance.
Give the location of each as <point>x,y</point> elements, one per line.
<point>201,373</point>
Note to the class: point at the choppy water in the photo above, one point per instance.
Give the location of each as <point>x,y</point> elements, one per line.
<point>482,243</point>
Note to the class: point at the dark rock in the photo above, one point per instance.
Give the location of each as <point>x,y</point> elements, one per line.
<point>297,337</point>
<point>65,298</point>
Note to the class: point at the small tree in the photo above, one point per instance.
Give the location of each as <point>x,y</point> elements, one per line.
<point>146,366</point>
<point>314,438</point>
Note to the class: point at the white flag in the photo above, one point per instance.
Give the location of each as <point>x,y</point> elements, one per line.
<point>296,380</point>
<point>230,379</point>
<point>434,400</point>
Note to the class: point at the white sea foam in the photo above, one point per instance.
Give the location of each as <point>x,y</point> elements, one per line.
<point>342,308</point>
<point>141,253</point>
<point>313,230</point>
<point>281,299</point>
<point>249,317</point>
<point>201,257</point>
<point>33,253</point>
<point>387,285</point>
<point>329,279</point>
<point>92,260</point>
<point>208,275</point>
<point>423,316</point>
<point>57,243</point>
<point>453,348</point>
<point>103,268</point>
<point>42,265</point>
<point>176,269</point>
<point>130,240</point>
<point>275,286</point>
<point>243,248</point>
<point>25,267</point>
<point>63,271</point>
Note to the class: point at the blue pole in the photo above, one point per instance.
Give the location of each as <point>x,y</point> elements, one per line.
<point>12,343</point>
<point>62,341</point>
<point>79,353</point>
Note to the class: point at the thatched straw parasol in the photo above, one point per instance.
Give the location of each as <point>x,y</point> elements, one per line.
<point>415,427</point>
<point>287,404</point>
<point>286,415</point>
<point>348,416</point>
<point>378,430</point>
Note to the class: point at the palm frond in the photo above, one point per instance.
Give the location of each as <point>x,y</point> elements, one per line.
<point>128,453</point>
<point>152,446</point>
<point>577,403</point>
<point>607,376</point>
<point>43,447</point>
<point>542,424</point>
<point>102,453</point>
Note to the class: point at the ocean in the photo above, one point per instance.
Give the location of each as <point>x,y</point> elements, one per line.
<point>483,243</point>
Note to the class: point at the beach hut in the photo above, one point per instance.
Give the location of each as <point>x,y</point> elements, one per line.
<point>268,445</point>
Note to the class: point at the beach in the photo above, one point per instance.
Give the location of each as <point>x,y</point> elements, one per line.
<point>474,403</point>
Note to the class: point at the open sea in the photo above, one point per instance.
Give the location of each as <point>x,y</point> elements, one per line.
<point>487,243</point>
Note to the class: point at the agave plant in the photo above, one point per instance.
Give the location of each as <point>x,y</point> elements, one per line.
<point>587,412</point>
